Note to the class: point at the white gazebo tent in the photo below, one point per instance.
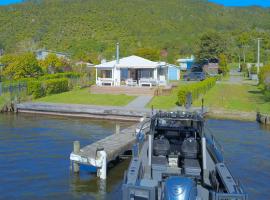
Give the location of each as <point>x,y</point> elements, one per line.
<point>133,68</point>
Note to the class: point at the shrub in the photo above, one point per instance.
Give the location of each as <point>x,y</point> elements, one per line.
<point>61,75</point>
<point>253,70</point>
<point>196,89</point>
<point>267,95</point>
<point>55,86</point>
<point>36,89</point>
<point>264,75</point>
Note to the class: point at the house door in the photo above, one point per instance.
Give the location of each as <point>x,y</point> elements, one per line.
<point>133,73</point>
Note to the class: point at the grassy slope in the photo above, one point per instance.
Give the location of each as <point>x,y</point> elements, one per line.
<point>236,97</point>
<point>83,96</point>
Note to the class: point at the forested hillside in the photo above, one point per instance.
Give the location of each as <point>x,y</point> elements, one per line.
<point>79,26</point>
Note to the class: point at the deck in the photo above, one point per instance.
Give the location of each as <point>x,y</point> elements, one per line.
<point>132,90</point>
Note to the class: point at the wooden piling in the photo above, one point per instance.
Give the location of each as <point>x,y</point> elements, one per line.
<point>117,129</point>
<point>76,149</point>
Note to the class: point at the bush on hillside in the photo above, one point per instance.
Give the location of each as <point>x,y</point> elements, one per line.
<point>195,89</point>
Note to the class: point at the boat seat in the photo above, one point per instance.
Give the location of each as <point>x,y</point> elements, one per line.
<point>190,148</point>
<point>161,147</point>
<point>191,167</point>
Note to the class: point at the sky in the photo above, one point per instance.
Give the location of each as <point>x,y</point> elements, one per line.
<point>6,2</point>
<point>264,3</point>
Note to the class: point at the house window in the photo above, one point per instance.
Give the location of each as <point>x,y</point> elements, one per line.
<point>107,74</point>
<point>146,73</point>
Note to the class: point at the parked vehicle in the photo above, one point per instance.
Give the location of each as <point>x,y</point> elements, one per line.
<point>194,76</point>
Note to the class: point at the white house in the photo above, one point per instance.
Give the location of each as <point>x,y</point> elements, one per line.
<point>132,70</point>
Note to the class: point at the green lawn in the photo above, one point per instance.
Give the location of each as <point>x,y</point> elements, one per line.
<point>244,97</point>
<point>167,102</point>
<point>83,96</point>
<point>164,102</point>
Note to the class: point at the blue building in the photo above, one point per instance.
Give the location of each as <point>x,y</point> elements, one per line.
<point>173,72</point>
<point>186,63</point>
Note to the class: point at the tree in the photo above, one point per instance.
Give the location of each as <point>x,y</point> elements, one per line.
<point>223,64</point>
<point>53,64</point>
<point>211,45</point>
<point>151,54</point>
<point>21,66</point>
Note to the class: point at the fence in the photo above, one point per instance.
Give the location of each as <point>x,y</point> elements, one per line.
<point>19,89</point>
<point>13,89</point>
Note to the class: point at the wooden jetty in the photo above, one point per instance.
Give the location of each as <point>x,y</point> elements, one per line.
<point>100,153</point>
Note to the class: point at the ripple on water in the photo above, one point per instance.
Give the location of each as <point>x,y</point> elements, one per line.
<point>34,157</point>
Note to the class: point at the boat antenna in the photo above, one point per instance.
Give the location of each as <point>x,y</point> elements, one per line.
<point>202,105</point>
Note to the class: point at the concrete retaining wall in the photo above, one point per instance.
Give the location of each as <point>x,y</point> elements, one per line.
<point>74,110</point>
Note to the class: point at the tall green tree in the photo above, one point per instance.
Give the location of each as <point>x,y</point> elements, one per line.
<point>223,64</point>
<point>53,64</point>
<point>211,45</point>
<point>21,66</point>
<point>148,53</point>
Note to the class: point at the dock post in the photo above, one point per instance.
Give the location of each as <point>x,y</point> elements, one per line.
<point>117,128</point>
<point>76,149</point>
<point>102,171</point>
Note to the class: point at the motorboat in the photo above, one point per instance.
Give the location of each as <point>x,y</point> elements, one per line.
<point>178,158</point>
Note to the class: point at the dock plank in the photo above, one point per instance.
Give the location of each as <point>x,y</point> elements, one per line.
<point>114,145</point>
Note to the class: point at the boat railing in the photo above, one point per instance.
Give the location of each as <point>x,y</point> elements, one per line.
<point>225,196</point>
<point>216,144</point>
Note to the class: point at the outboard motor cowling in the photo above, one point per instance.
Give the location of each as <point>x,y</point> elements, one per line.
<point>180,188</point>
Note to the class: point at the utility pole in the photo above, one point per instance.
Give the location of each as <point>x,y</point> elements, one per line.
<point>258,58</point>
<point>239,62</point>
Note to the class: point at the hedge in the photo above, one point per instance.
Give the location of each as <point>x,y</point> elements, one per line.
<point>195,89</point>
<point>42,88</point>
<point>264,81</point>
<point>61,75</point>
<point>55,86</point>
<point>47,84</point>
<point>36,89</point>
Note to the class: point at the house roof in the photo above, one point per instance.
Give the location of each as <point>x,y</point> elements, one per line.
<point>131,62</point>
<point>183,60</point>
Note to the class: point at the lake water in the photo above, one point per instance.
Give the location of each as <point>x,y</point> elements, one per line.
<point>34,157</point>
